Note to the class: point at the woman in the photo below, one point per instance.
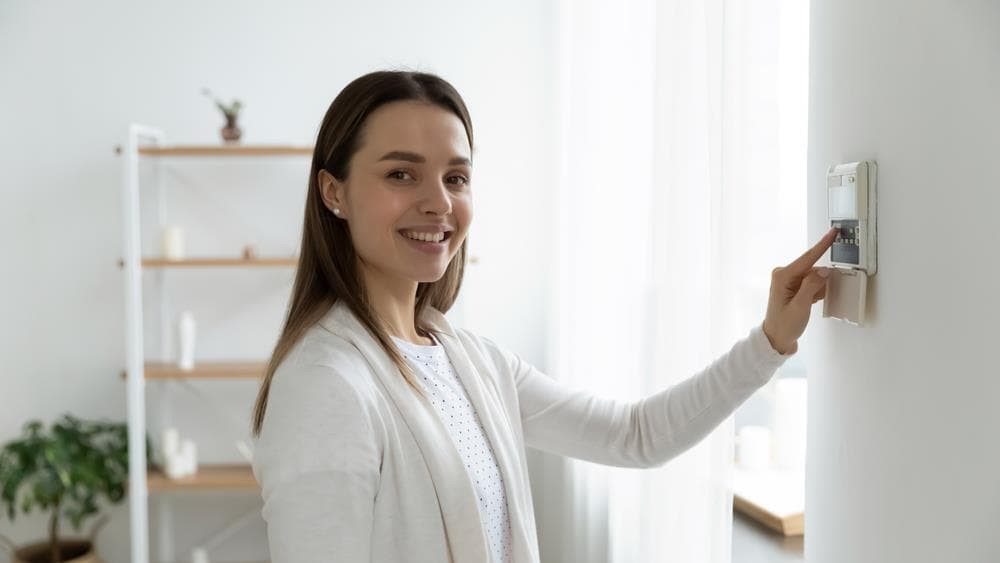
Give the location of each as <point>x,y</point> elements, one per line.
<point>386,434</point>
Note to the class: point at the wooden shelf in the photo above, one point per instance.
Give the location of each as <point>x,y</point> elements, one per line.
<point>228,262</point>
<point>226,150</point>
<point>216,262</point>
<point>788,524</point>
<point>774,498</point>
<point>208,478</point>
<point>205,370</point>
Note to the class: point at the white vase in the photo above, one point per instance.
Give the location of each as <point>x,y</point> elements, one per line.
<point>185,341</point>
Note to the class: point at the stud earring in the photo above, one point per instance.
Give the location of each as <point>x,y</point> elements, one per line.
<point>336,211</point>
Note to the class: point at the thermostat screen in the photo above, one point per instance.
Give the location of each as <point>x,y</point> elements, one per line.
<point>846,247</point>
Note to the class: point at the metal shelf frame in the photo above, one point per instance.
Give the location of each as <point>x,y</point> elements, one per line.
<point>144,142</point>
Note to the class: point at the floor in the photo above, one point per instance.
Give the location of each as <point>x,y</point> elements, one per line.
<point>753,543</point>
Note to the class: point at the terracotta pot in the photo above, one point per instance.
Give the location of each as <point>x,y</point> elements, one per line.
<point>73,551</point>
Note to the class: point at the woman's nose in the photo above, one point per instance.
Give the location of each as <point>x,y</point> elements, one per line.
<point>437,198</point>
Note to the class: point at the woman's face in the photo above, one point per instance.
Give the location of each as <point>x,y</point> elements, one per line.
<point>412,173</point>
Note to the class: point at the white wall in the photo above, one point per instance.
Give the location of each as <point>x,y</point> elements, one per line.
<point>74,74</point>
<point>903,461</point>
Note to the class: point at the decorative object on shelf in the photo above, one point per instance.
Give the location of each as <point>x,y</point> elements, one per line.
<point>186,328</point>
<point>170,443</point>
<point>64,470</point>
<point>173,242</point>
<point>179,457</point>
<point>754,447</point>
<point>174,466</point>
<point>189,455</point>
<point>249,252</point>
<point>231,132</point>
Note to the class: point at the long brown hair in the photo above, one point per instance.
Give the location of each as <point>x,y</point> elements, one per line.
<point>327,269</point>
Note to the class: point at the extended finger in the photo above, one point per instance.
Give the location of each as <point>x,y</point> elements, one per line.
<point>801,265</point>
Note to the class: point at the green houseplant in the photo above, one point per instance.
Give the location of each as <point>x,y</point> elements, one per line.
<point>231,131</point>
<point>64,470</point>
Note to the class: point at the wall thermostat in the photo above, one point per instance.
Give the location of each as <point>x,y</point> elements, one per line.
<point>852,207</point>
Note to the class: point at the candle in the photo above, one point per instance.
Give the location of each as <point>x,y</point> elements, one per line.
<point>174,467</point>
<point>185,341</point>
<point>170,443</point>
<point>173,242</point>
<point>189,455</point>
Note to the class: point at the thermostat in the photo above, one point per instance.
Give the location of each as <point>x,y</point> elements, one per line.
<point>852,207</point>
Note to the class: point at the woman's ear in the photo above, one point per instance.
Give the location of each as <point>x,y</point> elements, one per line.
<point>332,192</point>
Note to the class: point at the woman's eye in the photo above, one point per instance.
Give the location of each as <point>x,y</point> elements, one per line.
<point>461,179</point>
<point>397,174</point>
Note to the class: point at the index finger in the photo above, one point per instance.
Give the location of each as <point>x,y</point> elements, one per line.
<point>803,263</point>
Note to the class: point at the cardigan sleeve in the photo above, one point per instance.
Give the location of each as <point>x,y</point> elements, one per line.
<point>317,461</point>
<point>644,433</point>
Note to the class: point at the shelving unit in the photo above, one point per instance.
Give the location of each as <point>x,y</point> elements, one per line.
<point>148,142</point>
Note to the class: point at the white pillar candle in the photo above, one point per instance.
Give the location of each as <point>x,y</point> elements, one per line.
<point>790,403</point>
<point>186,327</point>
<point>754,447</point>
<point>174,468</point>
<point>170,443</point>
<point>173,242</point>
<point>189,455</point>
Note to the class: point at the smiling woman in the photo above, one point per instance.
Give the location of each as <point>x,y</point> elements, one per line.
<point>386,434</point>
<point>387,212</point>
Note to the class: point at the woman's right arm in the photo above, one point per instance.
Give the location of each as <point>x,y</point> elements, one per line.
<point>317,461</point>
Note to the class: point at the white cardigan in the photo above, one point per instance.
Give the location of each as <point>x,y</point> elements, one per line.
<point>355,467</point>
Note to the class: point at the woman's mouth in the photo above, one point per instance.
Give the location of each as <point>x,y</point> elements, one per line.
<point>428,246</point>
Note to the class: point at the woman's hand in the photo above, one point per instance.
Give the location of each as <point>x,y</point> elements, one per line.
<point>794,289</point>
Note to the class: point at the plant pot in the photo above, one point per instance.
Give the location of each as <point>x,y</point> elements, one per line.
<point>231,132</point>
<point>73,551</point>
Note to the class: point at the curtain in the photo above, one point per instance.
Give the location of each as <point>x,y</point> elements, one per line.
<point>681,131</point>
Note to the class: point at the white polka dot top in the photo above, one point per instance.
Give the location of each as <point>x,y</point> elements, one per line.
<point>437,376</point>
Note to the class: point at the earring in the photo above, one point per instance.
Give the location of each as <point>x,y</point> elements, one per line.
<point>336,211</point>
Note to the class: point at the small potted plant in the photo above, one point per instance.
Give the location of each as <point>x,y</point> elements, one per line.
<point>64,470</point>
<point>231,132</point>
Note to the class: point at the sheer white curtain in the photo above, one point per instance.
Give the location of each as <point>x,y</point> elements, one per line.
<point>682,184</point>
